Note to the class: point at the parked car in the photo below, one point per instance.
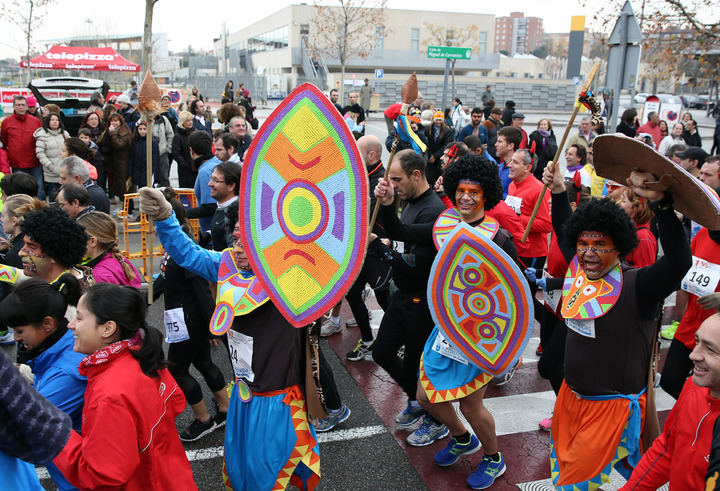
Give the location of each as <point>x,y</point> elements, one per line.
<point>71,94</point>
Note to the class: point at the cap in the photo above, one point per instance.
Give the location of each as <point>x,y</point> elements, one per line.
<point>439,115</point>
<point>123,98</point>
<point>31,101</point>
<point>693,153</point>
<point>518,116</point>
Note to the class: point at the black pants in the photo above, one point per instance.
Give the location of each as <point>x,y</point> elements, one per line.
<point>551,365</point>
<point>407,321</point>
<point>358,307</point>
<point>327,383</point>
<point>195,351</point>
<point>676,369</point>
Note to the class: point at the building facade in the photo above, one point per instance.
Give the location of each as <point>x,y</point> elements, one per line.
<point>518,34</point>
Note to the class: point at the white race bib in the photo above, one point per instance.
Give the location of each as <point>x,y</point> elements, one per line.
<point>445,349</point>
<point>514,202</point>
<point>702,278</point>
<point>584,327</point>
<point>241,353</point>
<point>175,328</point>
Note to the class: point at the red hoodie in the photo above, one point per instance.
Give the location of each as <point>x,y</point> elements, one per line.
<point>129,439</point>
<point>16,135</point>
<point>680,454</point>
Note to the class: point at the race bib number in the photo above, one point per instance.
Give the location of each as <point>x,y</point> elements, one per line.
<point>702,278</point>
<point>175,328</point>
<point>584,327</point>
<point>514,202</point>
<point>444,348</point>
<point>241,353</point>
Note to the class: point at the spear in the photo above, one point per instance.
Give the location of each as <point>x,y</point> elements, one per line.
<point>554,163</point>
<point>149,106</point>
<point>408,94</point>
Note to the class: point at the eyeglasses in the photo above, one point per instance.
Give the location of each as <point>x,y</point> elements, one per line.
<point>216,180</point>
<point>473,196</point>
<point>596,250</point>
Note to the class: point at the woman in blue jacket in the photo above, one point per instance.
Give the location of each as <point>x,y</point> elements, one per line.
<point>36,311</point>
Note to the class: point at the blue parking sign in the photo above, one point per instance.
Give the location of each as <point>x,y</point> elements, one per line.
<point>379,73</point>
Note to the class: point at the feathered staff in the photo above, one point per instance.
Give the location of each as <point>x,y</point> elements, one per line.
<point>408,94</point>
<point>587,99</point>
<point>149,106</point>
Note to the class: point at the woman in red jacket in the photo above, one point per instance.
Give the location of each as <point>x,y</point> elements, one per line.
<point>129,439</point>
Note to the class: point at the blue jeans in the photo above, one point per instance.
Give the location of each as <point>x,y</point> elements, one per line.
<point>37,173</point>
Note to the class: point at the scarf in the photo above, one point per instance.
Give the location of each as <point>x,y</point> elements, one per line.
<point>109,353</point>
<point>24,356</point>
<point>545,135</point>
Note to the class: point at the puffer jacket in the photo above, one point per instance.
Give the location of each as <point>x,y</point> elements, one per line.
<point>48,147</point>
<point>163,131</point>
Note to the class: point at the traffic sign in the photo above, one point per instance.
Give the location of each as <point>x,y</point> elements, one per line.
<point>379,73</point>
<point>449,52</point>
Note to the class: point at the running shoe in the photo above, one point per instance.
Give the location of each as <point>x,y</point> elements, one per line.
<point>546,424</point>
<point>668,332</point>
<point>351,322</point>
<point>486,473</point>
<point>8,338</point>
<point>334,418</point>
<point>361,351</point>
<point>450,454</point>
<point>366,293</point>
<point>329,328</point>
<point>220,417</point>
<point>409,416</point>
<point>427,434</point>
<point>197,430</point>
<point>503,379</point>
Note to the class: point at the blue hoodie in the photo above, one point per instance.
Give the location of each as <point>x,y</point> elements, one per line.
<point>57,378</point>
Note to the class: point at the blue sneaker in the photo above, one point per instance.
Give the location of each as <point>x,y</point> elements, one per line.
<point>450,454</point>
<point>427,434</point>
<point>7,338</point>
<point>486,473</point>
<point>409,416</point>
<point>334,418</point>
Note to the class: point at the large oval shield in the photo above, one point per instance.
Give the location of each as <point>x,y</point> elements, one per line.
<point>304,206</point>
<point>480,300</point>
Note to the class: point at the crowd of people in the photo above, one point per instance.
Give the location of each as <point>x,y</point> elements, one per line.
<point>72,303</point>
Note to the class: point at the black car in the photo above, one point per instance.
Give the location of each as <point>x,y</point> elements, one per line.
<point>71,94</point>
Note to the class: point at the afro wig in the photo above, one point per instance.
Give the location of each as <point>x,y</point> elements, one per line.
<point>474,168</point>
<point>60,237</point>
<point>605,216</point>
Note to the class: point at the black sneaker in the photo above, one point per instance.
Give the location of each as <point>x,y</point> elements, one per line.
<point>197,430</point>
<point>219,419</point>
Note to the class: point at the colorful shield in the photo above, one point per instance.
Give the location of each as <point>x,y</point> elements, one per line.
<point>304,206</point>
<point>480,299</point>
<point>448,220</point>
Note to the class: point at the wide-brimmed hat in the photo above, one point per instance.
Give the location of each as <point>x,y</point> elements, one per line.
<point>616,156</point>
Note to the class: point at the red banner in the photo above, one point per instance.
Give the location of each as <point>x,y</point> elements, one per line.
<point>82,58</point>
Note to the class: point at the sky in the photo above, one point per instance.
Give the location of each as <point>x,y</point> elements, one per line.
<point>187,24</point>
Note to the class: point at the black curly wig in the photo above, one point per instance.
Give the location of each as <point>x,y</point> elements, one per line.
<point>60,237</point>
<point>605,216</point>
<point>474,168</point>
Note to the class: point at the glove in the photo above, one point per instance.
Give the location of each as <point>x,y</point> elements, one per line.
<point>531,275</point>
<point>154,204</point>
<point>709,302</point>
<point>541,283</point>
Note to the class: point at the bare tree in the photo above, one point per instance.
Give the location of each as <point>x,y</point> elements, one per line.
<point>349,29</point>
<point>27,15</point>
<point>147,35</point>
<point>453,36</point>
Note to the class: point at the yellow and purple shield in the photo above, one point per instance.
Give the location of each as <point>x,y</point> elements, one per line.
<point>480,300</point>
<point>304,206</point>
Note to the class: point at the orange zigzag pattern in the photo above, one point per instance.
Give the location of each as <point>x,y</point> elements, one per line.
<point>303,451</point>
<point>434,395</point>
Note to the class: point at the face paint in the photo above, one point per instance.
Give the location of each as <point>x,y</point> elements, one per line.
<point>32,257</point>
<point>470,199</point>
<point>241,258</point>
<point>596,254</point>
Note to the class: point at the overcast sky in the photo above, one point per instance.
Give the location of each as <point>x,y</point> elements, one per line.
<point>197,22</point>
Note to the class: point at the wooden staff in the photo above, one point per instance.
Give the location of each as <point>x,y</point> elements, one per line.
<point>149,105</point>
<point>408,95</point>
<point>586,87</point>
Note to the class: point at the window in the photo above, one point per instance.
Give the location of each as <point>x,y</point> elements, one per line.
<point>414,40</point>
<point>275,39</point>
<point>482,43</point>
<point>379,40</point>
